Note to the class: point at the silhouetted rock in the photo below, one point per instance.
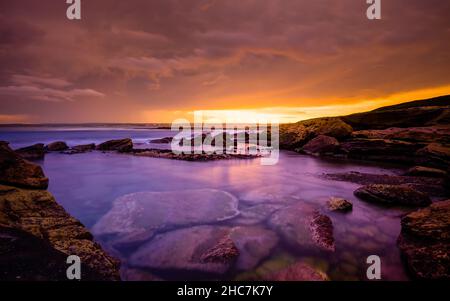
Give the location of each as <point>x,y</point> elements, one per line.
<point>425,241</point>
<point>56,146</point>
<point>321,145</point>
<point>339,204</point>
<point>165,140</point>
<point>298,272</point>
<point>32,152</point>
<point>14,170</point>
<point>392,195</point>
<point>120,145</point>
<point>422,171</point>
<point>84,147</point>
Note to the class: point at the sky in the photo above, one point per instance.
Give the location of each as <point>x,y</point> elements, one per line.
<point>159,60</point>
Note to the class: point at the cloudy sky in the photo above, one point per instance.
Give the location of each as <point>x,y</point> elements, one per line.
<point>157,60</point>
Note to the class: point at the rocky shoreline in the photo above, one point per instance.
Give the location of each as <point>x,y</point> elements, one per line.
<point>37,235</point>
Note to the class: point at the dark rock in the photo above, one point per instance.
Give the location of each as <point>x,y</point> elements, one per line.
<point>56,146</point>
<point>120,145</point>
<point>422,171</point>
<point>434,155</point>
<point>425,241</point>
<point>165,140</point>
<point>56,234</point>
<point>321,145</point>
<point>429,134</point>
<point>381,150</point>
<point>168,154</point>
<point>322,231</point>
<point>14,170</point>
<point>84,147</point>
<point>298,272</point>
<point>33,152</point>
<point>392,195</point>
<point>339,204</point>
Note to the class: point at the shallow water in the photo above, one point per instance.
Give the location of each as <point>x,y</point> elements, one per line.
<point>87,184</point>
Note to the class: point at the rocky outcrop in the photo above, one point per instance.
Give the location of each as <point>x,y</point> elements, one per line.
<point>56,146</point>
<point>16,171</point>
<point>418,113</point>
<point>296,135</point>
<point>439,134</point>
<point>120,145</point>
<point>392,195</point>
<point>32,152</point>
<point>33,225</point>
<point>425,241</point>
<point>422,171</point>
<point>298,272</point>
<point>163,211</point>
<point>339,204</point>
<point>168,154</point>
<point>321,145</point>
<point>84,147</point>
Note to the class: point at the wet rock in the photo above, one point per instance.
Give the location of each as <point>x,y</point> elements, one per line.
<point>254,244</point>
<point>425,241</point>
<point>392,195</point>
<point>168,154</point>
<point>339,204</point>
<point>120,145</point>
<point>14,170</point>
<point>36,213</point>
<point>321,228</point>
<point>202,249</point>
<point>298,272</point>
<point>321,145</point>
<point>422,171</point>
<point>434,155</point>
<point>296,135</point>
<point>297,226</point>
<point>56,146</point>
<point>431,186</point>
<point>165,140</point>
<point>32,152</point>
<point>138,216</point>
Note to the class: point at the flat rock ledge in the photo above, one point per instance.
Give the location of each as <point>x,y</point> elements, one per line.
<point>392,195</point>
<point>425,241</point>
<point>168,154</point>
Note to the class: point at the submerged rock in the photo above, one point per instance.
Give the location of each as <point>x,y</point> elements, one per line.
<point>298,226</point>
<point>254,244</point>
<point>16,171</point>
<point>322,145</point>
<point>138,216</point>
<point>425,241</point>
<point>202,249</point>
<point>56,146</point>
<point>120,145</point>
<point>32,152</point>
<point>392,195</point>
<point>298,272</point>
<point>165,140</point>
